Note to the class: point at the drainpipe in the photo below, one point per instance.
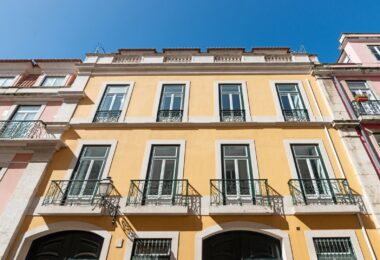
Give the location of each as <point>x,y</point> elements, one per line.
<point>364,231</point>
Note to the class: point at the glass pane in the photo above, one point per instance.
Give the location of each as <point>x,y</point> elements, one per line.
<point>357,84</point>
<point>117,89</point>
<point>177,103</point>
<point>80,174</point>
<point>106,103</point>
<point>173,89</point>
<point>236,105</point>
<point>165,103</point>
<point>305,150</point>
<point>118,102</point>
<point>155,175</point>
<point>243,177</point>
<point>285,102</point>
<point>235,150</point>
<point>287,88</point>
<point>165,151</point>
<point>230,177</point>
<point>296,101</point>
<point>95,151</point>
<point>53,81</point>
<point>6,82</point>
<point>28,108</point>
<point>304,169</point>
<point>95,170</point>
<point>229,88</point>
<point>226,102</point>
<point>168,175</point>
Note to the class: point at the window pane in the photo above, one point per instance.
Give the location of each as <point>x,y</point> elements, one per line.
<point>236,102</point>
<point>165,151</point>
<point>106,103</point>
<point>6,81</point>
<point>165,103</point>
<point>230,170</point>
<point>155,173</point>
<point>305,150</point>
<point>116,89</point>
<point>287,88</point>
<point>304,169</point>
<point>177,103</point>
<point>118,102</point>
<point>357,84</point>
<point>95,170</point>
<point>95,151</point>
<point>229,88</point>
<point>235,150</point>
<point>226,102</point>
<point>169,169</point>
<point>82,170</point>
<point>28,108</point>
<point>296,101</point>
<point>50,81</point>
<point>173,89</point>
<point>285,102</point>
<point>243,170</point>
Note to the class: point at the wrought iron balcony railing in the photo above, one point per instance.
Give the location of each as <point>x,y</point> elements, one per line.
<point>31,129</point>
<point>366,108</point>
<point>169,115</point>
<point>232,115</point>
<point>107,116</point>
<point>77,192</point>
<point>296,115</point>
<point>158,192</point>
<point>240,192</point>
<point>320,191</point>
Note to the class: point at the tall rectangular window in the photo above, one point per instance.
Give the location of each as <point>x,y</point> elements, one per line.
<point>22,122</point>
<point>6,81</point>
<point>334,248</point>
<point>88,171</point>
<point>237,173</point>
<point>292,105</point>
<point>151,249</point>
<point>231,103</point>
<point>54,81</point>
<point>311,170</point>
<point>162,172</point>
<point>112,104</point>
<point>375,49</point>
<point>171,103</point>
<point>360,87</point>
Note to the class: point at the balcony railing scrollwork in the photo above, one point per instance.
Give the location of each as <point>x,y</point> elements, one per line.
<point>321,191</point>
<point>366,108</point>
<point>158,192</point>
<point>169,115</point>
<point>232,115</point>
<point>107,116</point>
<point>296,115</point>
<point>28,129</point>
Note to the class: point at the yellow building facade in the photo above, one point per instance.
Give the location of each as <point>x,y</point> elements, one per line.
<point>203,149</point>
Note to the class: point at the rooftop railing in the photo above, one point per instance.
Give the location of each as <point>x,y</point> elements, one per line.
<point>28,129</point>
<point>232,115</point>
<point>107,116</point>
<point>296,115</point>
<point>366,108</point>
<point>169,115</point>
<point>320,191</point>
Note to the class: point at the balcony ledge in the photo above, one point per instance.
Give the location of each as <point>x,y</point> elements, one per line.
<point>314,209</point>
<point>369,118</point>
<point>240,209</point>
<point>155,210</point>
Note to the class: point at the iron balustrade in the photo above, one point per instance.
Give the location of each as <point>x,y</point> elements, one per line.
<point>239,192</point>
<point>365,108</point>
<point>320,191</point>
<point>334,248</point>
<point>28,129</point>
<point>296,115</point>
<point>232,115</point>
<point>146,249</point>
<point>169,115</point>
<point>107,116</point>
<point>158,192</point>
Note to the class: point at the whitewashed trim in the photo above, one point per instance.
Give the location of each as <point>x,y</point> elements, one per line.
<point>2,172</point>
<point>148,148</point>
<point>244,91</point>
<point>322,149</point>
<point>306,101</point>
<point>157,97</point>
<point>130,85</point>
<point>174,236</point>
<point>244,226</point>
<point>32,234</point>
<point>252,151</point>
<point>81,144</point>
<point>310,234</point>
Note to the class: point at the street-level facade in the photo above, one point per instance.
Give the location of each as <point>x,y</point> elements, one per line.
<point>224,154</point>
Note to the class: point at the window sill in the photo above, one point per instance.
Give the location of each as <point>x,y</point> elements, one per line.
<point>155,210</point>
<point>326,209</point>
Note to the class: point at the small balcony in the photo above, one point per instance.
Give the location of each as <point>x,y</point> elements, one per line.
<point>30,129</point>
<point>169,116</point>
<point>232,115</point>
<point>76,197</point>
<point>367,108</point>
<point>230,197</point>
<point>107,116</point>
<point>296,115</point>
<point>155,197</point>
<point>322,196</point>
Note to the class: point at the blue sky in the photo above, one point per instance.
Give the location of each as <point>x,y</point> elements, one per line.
<point>71,28</point>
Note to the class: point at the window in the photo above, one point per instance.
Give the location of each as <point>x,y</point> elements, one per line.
<point>237,173</point>
<point>54,81</point>
<point>231,103</point>
<point>292,105</point>
<point>162,173</point>
<point>155,249</point>
<point>88,171</point>
<point>375,49</point>
<point>377,138</point>
<point>359,87</point>
<point>171,103</point>
<point>6,81</point>
<point>21,123</point>
<point>311,171</point>
<point>334,248</point>
<point>112,103</point>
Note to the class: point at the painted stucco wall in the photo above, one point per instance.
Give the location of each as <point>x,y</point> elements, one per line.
<point>360,53</point>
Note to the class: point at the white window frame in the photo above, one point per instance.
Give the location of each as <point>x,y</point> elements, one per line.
<point>377,49</point>
<point>174,236</point>
<point>157,98</point>
<point>42,78</point>
<point>3,170</point>
<point>293,168</point>
<point>77,153</point>
<point>15,106</point>
<point>301,88</point>
<point>252,153</point>
<point>366,82</point>
<point>310,234</point>
<point>103,88</point>
<point>244,91</point>
<point>15,77</point>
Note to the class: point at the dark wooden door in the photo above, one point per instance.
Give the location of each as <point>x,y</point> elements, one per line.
<point>66,245</point>
<point>241,245</point>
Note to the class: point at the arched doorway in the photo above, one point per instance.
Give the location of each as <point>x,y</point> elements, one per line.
<point>241,245</point>
<point>66,245</point>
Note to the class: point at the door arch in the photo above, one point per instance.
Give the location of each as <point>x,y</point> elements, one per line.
<point>67,245</point>
<point>241,245</point>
